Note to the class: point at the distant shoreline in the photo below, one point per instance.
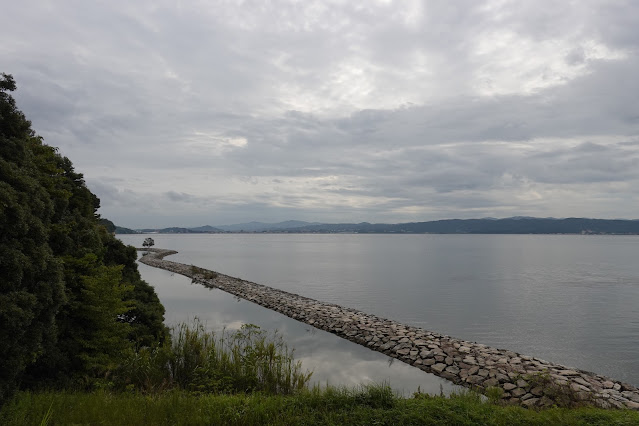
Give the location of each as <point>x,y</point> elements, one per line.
<point>508,226</point>
<point>370,233</point>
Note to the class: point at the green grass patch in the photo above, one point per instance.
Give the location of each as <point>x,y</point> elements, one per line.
<point>365,406</point>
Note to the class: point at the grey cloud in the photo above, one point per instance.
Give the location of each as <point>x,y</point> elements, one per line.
<point>179,196</point>
<point>208,113</point>
<point>576,56</point>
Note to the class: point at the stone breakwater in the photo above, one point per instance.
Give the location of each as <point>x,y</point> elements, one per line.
<point>515,378</point>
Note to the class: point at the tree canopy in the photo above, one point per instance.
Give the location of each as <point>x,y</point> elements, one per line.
<point>71,297</point>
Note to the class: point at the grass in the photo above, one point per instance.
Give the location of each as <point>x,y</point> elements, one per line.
<point>250,378</point>
<point>201,361</point>
<point>365,406</point>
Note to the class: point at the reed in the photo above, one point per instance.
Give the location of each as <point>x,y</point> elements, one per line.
<point>201,361</point>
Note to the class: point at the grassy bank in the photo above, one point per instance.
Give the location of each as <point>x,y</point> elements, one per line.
<point>247,377</point>
<point>374,405</point>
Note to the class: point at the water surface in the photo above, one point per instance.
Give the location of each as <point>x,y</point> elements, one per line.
<point>570,299</point>
<point>332,360</point>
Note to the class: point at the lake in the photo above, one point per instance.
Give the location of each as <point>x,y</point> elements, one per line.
<point>569,299</point>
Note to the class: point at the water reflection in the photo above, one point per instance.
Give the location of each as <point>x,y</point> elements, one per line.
<point>333,360</point>
<point>570,299</point>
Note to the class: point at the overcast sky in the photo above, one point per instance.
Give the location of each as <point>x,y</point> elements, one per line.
<point>186,113</point>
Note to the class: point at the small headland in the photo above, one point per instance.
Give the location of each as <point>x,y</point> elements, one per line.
<point>514,378</point>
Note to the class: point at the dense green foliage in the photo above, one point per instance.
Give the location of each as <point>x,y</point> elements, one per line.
<point>71,298</point>
<point>370,406</point>
<point>31,277</point>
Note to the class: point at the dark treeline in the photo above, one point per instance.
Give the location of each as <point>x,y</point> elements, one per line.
<point>486,226</point>
<point>72,302</point>
<point>515,225</point>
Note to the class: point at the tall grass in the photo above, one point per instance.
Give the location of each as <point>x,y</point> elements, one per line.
<point>363,406</point>
<point>250,378</point>
<point>201,361</point>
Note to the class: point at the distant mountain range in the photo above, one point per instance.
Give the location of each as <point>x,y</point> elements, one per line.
<point>262,227</point>
<point>512,225</point>
<point>516,225</point>
<point>177,230</point>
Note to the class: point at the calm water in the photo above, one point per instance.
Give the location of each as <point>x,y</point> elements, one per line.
<point>568,299</point>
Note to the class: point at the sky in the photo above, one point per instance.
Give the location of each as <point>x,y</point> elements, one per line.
<point>188,113</point>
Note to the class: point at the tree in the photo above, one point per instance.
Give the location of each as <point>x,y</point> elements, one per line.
<point>146,316</point>
<point>148,242</point>
<point>71,298</point>
<point>31,279</point>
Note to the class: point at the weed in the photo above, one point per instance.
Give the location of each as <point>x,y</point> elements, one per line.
<point>197,272</point>
<point>494,394</point>
<point>47,416</point>
<point>199,361</point>
<point>561,395</point>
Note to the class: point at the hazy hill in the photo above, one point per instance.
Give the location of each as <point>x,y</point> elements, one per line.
<point>512,225</point>
<point>206,229</point>
<point>262,227</point>
<point>179,230</point>
<point>516,225</point>
<point>121,230</point>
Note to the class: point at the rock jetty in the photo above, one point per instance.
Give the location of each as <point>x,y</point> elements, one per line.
<point>513,377</point>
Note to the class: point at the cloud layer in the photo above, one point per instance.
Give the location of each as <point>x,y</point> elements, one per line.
<point>191,113</point>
